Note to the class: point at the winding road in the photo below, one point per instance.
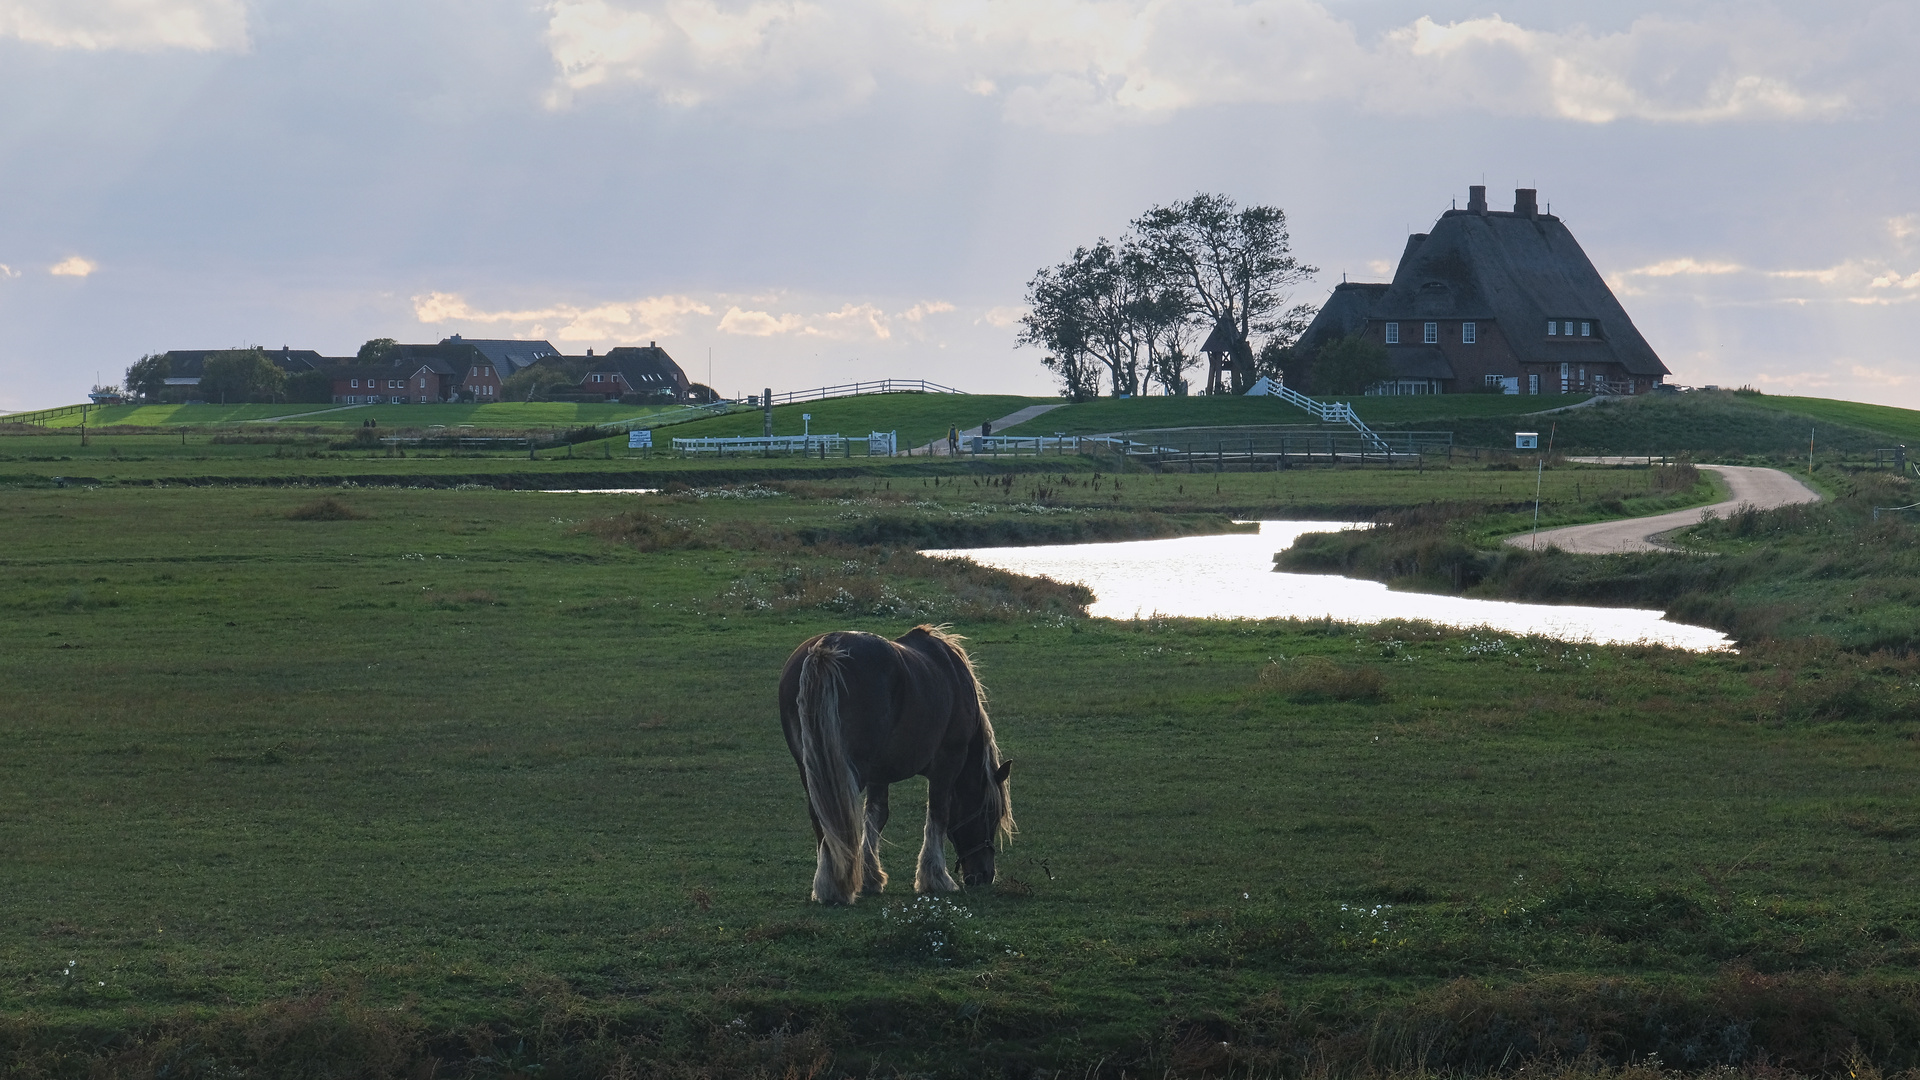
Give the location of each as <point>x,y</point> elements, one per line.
<point>1749,485</point>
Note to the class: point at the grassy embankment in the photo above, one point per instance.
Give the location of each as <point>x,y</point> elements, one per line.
<point>1146,413</point>
<point>358,783</point>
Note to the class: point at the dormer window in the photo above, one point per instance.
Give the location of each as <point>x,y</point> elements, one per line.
<point>1393,333</point>
<point>1553,327</point>
<point>1586,329</point>
<point>1432,334</point>
<point>1568,328</point>
<point>1469,333</point>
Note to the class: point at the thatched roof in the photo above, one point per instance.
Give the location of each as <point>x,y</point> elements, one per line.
<point>1520,270</point>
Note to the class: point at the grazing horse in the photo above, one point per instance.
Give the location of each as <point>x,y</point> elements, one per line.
<point>862,712</point>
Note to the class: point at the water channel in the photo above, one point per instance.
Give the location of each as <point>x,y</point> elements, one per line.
<point>1232,577</point>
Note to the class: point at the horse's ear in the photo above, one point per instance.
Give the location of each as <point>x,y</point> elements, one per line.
<point>1005,770</point>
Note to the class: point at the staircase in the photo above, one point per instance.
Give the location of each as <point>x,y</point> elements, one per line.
<point>1328,412</point>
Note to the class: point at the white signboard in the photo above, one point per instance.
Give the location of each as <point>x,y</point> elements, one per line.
<point>1526,440</point>
<point>639,440</point>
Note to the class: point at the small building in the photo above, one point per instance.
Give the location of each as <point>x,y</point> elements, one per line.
<point>632,371</point>
<point>1494,299</point>
<point>416,383</point>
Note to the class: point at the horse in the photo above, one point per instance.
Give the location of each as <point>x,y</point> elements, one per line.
<point>861,712</point>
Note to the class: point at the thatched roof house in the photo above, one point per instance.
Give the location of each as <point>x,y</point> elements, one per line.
<point>1492,297</point>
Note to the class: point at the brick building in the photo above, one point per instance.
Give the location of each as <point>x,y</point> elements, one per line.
<point>1494,298</point>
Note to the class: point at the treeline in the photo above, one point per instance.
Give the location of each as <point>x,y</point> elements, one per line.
<point>1134,313</point>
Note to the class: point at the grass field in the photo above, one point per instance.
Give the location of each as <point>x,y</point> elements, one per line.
<point>374,782</point>
<point>919,418</point>
<point>509,415</point>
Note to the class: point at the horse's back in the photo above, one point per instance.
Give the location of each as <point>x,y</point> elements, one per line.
<point>899,699</point>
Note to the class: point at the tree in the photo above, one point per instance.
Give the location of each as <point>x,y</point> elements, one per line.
<point>1230,262</point>
<point>1109,304</point>
<point>536,380</point>
<point>148,375</point>
<point>236,375</point>
<point>378,350</point>
<point>312,385</point>
<point>701,394</point>
<point>1347,365</point>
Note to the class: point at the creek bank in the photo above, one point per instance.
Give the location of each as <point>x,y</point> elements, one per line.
<point>1834,570</point>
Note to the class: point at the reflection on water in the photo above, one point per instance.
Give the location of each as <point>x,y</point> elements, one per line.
<point>1231,577</point>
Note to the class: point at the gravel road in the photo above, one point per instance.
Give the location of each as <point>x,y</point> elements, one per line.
<point>1751,485</point>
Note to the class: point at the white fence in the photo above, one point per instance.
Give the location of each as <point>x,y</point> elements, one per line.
<point>878,444</point>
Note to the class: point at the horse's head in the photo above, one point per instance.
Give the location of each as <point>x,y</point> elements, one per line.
<point>981,824</point>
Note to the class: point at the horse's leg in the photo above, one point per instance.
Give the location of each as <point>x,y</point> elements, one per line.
<point>875,879</point>
<point>932,875</point>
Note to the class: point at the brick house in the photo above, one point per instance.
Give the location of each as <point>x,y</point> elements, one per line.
<point>632,371</point>
<point>414,383</point>
<point>1494,298</point>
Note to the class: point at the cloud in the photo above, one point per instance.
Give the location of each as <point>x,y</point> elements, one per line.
<point>127,25</point>
<point>1672,267</point>
<point>667,316</point>
<point>1849,281</point>
<point>760,323</point>
<point>1091,64</point>
<point>73,266</point>
<point>851,322</point>
<point>1903,226</point>
<point>8,271</point>
<point>650,317</point>
<point>1004,318</point>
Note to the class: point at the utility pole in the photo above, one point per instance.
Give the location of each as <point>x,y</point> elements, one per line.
<point>766,406</point>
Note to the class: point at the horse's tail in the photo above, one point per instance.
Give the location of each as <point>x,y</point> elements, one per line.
<point>832,789</point>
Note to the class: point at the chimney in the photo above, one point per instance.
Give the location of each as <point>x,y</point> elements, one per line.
<point>589,352</point>
<point>653,344</point>
<point>1477,199</point>
<point>1525,202</point>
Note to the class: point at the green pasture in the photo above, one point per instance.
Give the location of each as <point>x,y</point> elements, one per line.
<point>1902,425</point>
<point>919,418</point>
<point>381,782</point>
<point>510,415</point>
<point>1137,414</point>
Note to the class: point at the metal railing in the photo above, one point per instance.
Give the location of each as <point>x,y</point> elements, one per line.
<point>671,416</point>
<point>879,386</point>
<point>41,416</point>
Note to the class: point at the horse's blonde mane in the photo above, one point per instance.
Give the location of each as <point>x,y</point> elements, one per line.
<point>997,791</point>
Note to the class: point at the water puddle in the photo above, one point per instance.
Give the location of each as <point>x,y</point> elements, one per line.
<point>1231,577</point>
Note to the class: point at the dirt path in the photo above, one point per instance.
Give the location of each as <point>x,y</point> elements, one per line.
<point>1748,485</point>
<point>939,446</point>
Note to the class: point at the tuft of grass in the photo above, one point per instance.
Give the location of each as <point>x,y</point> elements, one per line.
<point>1311,679</point>
<point>325,508</point>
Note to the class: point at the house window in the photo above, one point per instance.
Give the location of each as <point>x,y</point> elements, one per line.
<point>355,382</point>
<point>1533,383</point>
<point>1393,333</point>
<point>1586,329</point>
<point>1568,329</point>
<point>1469,333</point>
<point>1432,336</point>
<point>1564,371</point>
<point>596,378</point>
<point>1553,327</point>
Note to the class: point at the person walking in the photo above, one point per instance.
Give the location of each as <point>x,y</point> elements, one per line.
<point>953,441</point>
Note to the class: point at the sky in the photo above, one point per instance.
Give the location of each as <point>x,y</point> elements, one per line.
<point>794,193</point>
